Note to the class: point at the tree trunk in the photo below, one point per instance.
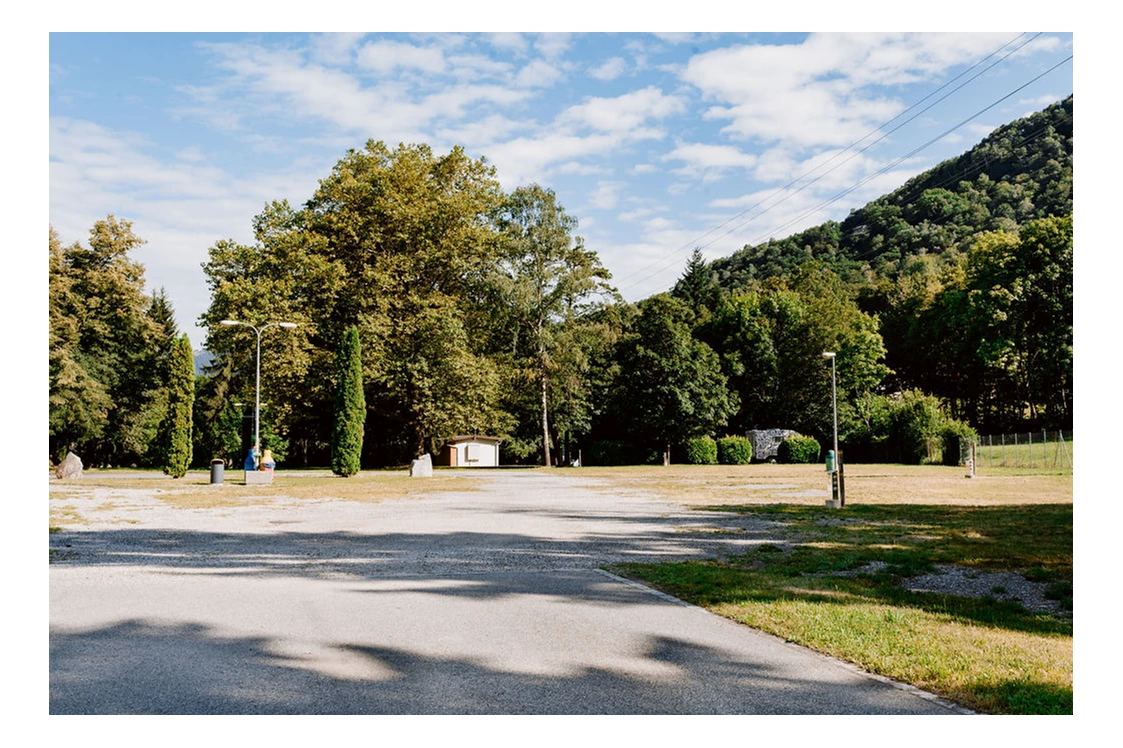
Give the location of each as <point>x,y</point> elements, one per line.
<point>545,424</point>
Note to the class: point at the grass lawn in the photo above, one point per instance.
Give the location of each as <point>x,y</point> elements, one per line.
<point>835,579</point>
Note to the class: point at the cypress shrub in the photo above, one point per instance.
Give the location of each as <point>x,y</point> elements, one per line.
<point>799,449</point>
<point>350,406</point>
<point>700,451</point>
<point>176,428</point>
<point>734,450</point>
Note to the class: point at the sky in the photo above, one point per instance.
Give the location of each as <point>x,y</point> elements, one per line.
<point>656,143</point>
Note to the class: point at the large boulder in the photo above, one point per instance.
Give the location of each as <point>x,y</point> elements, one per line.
<point>71,467</point>
<point>422,467</point>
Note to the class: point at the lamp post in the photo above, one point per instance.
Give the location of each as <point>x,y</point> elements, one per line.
<point>834,398</point>
<point>838,487</point>
<point>257,398</point>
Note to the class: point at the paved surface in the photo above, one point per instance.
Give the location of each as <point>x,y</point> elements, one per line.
<point>478,602</point>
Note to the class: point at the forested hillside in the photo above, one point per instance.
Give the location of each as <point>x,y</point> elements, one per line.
<point>968,268</point>
<point>1020,172</point>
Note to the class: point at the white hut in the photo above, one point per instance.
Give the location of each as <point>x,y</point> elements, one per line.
<point>470,451</point>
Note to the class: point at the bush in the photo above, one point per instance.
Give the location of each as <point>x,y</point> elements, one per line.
<point>700,451</point>
<point>734,450</point>
<point>799,449</point>
<point>954,433</point>
<point>915,425</point>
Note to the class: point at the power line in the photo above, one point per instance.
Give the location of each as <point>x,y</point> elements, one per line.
<point>664,264</point>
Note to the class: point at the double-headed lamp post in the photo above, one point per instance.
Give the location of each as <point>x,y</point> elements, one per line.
<point>257,398</point>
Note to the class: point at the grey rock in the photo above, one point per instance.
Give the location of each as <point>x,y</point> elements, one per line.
<point>71,467</point>
<point>422,467</point>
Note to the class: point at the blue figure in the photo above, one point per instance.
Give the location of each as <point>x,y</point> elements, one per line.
<point>251,460</point>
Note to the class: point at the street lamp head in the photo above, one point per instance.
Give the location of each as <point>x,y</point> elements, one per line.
<point>229,322</point>
<point>288,325</point>
<point>828,354</point>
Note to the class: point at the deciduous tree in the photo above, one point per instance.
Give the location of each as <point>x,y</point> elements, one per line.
<point>547,281</point>
<point>671,387</point>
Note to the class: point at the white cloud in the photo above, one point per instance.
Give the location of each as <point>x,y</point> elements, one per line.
<point>452,101</point>
<point>828,169</point>
<point>638,213</point>
<point>1040,102</point>
<point>576,167</point>
<point>524,160</point>
<point>478,134</point>
<point>709,161</point>
<point>675,37</point>
<point>336,48</point>
<point>625,112</point>
<point>508,40</point>
<point>607,195</point>
<point>384,56</point>
<point>280,82</point>
<point>468,65</point>
<point>553,44</point>
<point>538,74</point>
<point>610,69</point>
<point>819,92</point>
<point>979,130</point>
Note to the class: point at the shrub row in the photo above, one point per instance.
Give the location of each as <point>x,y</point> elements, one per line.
<point>729,450</point>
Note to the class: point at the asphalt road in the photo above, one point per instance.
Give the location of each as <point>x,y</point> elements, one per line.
<point>482,602</point>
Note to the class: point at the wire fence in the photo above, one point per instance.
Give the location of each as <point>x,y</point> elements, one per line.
<point>1028,449</point>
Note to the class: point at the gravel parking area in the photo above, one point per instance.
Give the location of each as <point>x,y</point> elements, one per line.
<point>485,601</point>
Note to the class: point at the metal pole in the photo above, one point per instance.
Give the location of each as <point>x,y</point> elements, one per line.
<point>257,402</point>
<point>257,383</point>
<point>834,402</point>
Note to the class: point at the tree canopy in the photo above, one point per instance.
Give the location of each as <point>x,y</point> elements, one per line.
<point>107,342</point>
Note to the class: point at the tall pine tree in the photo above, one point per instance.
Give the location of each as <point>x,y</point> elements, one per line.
<point>176,431</point>
<point>350,407</point>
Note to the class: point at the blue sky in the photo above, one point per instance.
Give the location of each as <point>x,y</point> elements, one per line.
<point>656,143</point>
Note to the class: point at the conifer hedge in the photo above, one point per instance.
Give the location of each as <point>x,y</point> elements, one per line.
<point>350,407</point>
<point>176,428</point>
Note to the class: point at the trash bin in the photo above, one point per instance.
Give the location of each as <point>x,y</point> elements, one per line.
<point>218,468</point>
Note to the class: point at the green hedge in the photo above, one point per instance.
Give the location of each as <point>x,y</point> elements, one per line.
<point>799,449</point>
<point>953,433</point>
<point>700,451</point>
<point>734,450</point>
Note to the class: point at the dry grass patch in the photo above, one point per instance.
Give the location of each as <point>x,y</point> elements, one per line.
<point>194,490</point>
<point>807,484</point>
<point>65,515</point>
